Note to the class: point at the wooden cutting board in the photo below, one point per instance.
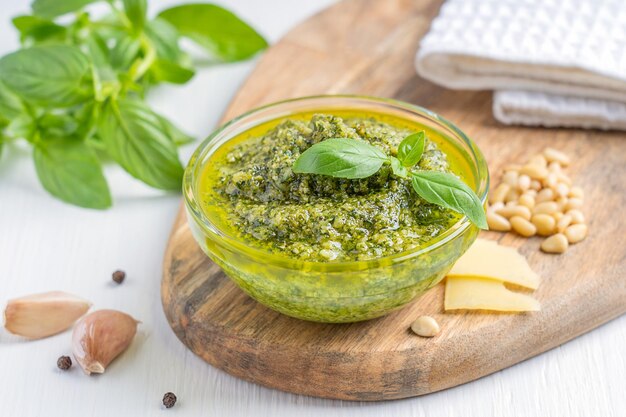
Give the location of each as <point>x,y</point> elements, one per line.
<point>367,47</point>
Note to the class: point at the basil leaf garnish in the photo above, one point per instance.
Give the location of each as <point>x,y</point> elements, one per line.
<point>341,158</point>
<point>397,168</point>
<point>354,159</point>
<point>448,191</point>
<point>411,149</point>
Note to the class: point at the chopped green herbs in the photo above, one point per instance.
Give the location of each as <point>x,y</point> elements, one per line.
<point>360,205</point>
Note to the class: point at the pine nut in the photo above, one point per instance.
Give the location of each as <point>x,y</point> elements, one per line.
<point>534,171</point>
<point>499,193</point>
<point>512,195</point>
<point>535,185</point>
<point>508,212</point>
<point>510,177</point>
<point>561,202</point>
<point>539,198</point>
<point>573,203</point>
<point>496,206</point>
<point>527,200</point>
<point>577,216</point>
<point>551,180</point>
<point>547,194</point>
<point>554,167</point>
<point>552,155</point>
<point>523,226</point>
<point>497,222</point>
<point>544,223</point>
<point>576,192</point>
<point>563,222</point>
<point>523,182</point>
<point>538,160</point>
<point>425,326</point>
<point>562,190</point>
<point>576,232</point>
<point>555,244</point>
<point>547,207</point>
<point>561,177</point>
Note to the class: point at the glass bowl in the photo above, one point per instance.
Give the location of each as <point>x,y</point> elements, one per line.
<point>342,291</point>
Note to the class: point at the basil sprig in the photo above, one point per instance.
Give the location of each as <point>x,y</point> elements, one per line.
<point>354,159</point>
<point>75,90</point>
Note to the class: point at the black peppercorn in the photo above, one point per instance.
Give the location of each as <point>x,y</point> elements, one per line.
<point>118,276</point>
<point>169,399</point>
<point>64,362</point>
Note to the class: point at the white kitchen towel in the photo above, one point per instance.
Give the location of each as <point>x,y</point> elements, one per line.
<point>552,110</point>
<point>559,47</point>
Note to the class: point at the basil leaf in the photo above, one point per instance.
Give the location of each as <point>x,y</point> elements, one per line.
<point>397,168</point>
<point>134,137</point>
<point>21,126</point>
<point>411,149</point>
<point>164,38</point>
<point>10,104</point>
<point>69,170</point>
<point>341,158</point>
<point>110,27</point>
<point>125,52</point>
<point>176,135</point>
<point>38,29</point>
<point>216,29</point>
<point>86,117</point>
<point>136,12</point>
<point>54,8</point>
<point>57,125</point>
<point>448,191</point>
<point>164,70</point>
<point>50,75</point>
<point>105,79</point>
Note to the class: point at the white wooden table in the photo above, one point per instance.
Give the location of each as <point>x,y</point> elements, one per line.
<point>47,245</point>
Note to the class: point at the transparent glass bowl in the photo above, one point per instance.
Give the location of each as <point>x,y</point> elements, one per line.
<point>335,292</point>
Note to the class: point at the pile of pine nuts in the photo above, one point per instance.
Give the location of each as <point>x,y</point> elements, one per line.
<point>538,198</point>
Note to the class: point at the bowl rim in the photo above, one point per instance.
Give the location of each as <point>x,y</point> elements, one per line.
<point>209,228</point>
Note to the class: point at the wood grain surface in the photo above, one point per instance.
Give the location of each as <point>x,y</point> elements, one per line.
<point>367,47</point>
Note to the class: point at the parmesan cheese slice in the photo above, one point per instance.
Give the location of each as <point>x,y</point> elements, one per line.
<point>487,259</point>
<point>485,294</point>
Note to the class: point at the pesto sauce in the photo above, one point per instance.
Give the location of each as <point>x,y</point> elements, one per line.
<point>320,218</point>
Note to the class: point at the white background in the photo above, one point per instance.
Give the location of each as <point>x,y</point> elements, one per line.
<point>47,245</point>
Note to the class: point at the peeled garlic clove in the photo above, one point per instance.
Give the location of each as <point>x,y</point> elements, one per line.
<point>100,337</point>
<point>42,315</point>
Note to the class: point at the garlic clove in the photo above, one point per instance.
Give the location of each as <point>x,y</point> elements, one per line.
<point>100,337</point>
<point>42,315</point>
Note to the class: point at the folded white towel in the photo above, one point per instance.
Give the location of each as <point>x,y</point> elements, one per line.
<point>552,110</point>
<point>559,47</point>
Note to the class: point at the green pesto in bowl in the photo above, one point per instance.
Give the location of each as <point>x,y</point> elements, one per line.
<point>320,218</point>
<point>321,248</point>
